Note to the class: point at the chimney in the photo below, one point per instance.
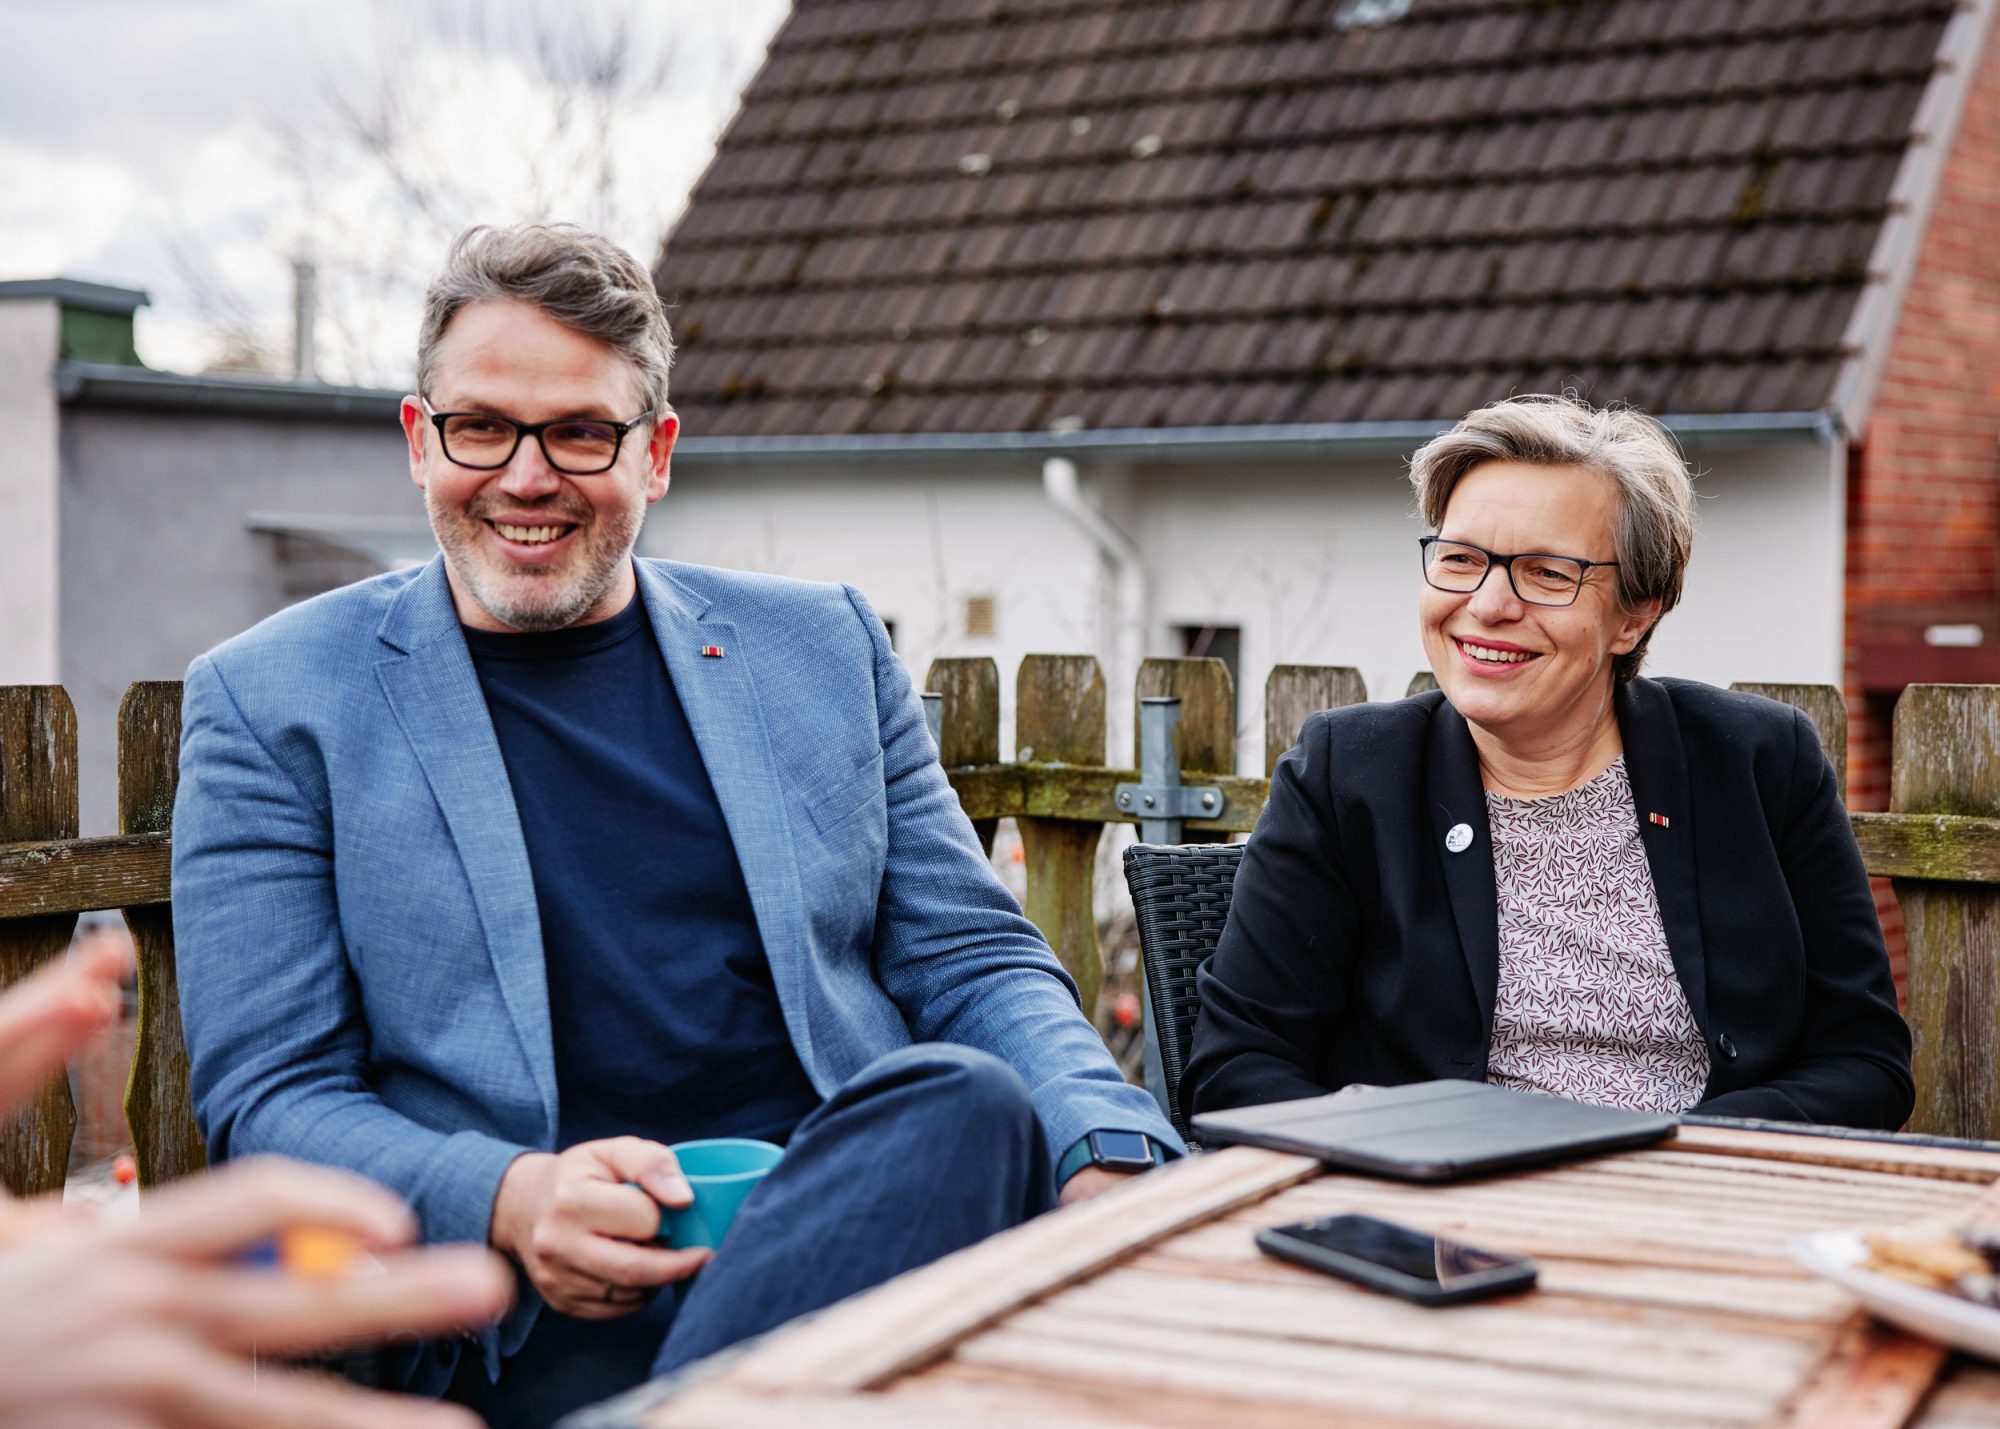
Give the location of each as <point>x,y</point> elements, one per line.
<point>304,300</point>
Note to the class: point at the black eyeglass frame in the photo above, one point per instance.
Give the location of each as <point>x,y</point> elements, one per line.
<point>535,430</point>
<point>1506,563</point>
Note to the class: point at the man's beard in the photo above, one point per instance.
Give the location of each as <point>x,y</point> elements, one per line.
<point>537,598</point>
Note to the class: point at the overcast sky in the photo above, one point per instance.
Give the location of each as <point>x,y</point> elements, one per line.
<point>194,147</point>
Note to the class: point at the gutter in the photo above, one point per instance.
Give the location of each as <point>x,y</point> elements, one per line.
<point>1296,442</point>
<point>111,386</point>
<point>108,385</point>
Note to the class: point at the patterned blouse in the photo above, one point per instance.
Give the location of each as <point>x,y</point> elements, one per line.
<point>1589,1006</point>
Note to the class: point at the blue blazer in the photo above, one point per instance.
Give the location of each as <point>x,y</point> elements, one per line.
<point>360,951</point>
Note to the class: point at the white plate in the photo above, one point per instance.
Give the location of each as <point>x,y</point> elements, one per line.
<point>1931,1313</point>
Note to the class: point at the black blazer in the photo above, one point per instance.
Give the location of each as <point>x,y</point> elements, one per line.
<point>1359,950</point>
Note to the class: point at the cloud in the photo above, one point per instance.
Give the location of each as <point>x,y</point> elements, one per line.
<point>59,209</point>
<point>194,149</point>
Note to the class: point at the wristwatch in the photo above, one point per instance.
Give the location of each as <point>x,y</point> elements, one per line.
<point>1113,1150</point>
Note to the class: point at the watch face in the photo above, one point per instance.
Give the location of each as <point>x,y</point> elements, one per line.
<point>1121,1150</point>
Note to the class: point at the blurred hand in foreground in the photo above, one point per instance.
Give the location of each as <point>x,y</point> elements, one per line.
<point>155,1320</point>
<point>46,1018</point>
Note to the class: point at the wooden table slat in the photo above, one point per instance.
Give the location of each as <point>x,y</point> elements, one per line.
<point>919,1316</point>
<point>1309,1308</point>
<point>1226,1253</point>
<point>1668,1298</point>
<point>1162,1361</point>
<point>1902,1158</point>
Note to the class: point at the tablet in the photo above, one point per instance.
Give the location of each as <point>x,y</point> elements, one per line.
<point>1435,1131</point>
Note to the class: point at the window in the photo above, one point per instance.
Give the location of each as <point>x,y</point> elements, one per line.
<point>1216,642</point>
<point>979,615</point>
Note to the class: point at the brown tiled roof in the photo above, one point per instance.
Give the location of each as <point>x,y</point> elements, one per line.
<point>1007,215</point>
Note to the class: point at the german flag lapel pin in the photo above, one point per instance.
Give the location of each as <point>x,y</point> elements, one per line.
<point>714,652</point>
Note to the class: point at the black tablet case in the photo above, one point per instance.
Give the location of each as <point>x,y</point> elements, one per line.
<point>1434,1131</point>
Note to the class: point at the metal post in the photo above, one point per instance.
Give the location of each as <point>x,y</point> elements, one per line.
<point>1159,767</point>
<point>934,718</point>
<point>1159,771</point>
<point>1159,801</point>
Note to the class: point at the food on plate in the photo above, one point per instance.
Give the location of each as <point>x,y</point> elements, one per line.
<point>1936,1255</point>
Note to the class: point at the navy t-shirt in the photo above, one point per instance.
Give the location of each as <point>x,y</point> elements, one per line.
<point>664,1018</point>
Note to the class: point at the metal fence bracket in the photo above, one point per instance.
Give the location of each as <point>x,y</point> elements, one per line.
<point>1159,800</point>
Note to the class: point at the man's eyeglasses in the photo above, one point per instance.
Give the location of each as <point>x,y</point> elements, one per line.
<point>575,446</point>
<point>1537,578</point>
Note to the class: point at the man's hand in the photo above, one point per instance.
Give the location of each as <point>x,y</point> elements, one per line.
<point>1093,1181</point>
<point>584,1235</point>
<point>154,1321</point>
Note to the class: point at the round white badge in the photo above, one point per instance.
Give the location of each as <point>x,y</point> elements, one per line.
<point>1459,839</point>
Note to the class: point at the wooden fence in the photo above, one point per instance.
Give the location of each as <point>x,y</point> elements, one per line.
<point>1941,845</point>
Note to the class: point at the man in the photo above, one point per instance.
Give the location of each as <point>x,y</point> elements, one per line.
<point>495,878</point>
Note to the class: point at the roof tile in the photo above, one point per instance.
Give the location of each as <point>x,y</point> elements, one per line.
<point>991,214</point>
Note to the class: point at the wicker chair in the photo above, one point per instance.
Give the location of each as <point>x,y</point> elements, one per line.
<point>1180,893</point>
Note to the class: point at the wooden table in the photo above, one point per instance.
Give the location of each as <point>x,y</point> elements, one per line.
<point>1667,1297</point>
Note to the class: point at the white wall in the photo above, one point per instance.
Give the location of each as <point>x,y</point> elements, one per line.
<point>30,331</point>
<point>1765,593</point>
<point>1315,561</point>
<point>157,563</point>
<point>1318,565</point>
<point>916,541</point>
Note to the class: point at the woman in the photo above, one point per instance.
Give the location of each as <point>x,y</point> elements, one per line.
<point>1552,874</point>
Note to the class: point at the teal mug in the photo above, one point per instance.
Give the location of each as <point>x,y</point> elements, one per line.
<point>723,1171</point>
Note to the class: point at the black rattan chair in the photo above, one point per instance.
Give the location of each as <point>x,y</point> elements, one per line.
<point>1180,893</point>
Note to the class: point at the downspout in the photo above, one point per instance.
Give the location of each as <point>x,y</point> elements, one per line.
<point>1125,622</point>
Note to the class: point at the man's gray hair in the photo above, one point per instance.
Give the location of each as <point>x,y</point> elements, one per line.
<point>1655,534</point>
<point>578,278</point>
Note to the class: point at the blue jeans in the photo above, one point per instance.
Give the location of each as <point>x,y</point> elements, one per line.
<point>930,1149</point>
<point>926,1151</point>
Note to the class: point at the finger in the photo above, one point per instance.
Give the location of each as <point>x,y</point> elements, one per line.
<point>612,1208</point>
<point>576,1291</point>
<point>424,1293</point>
<point>651,1165</point>
<point>104,958</point>
<point>604,1261</point>
<point>48,1017</point>
<point>247,1202</point>
<point>215,1391</point>
<point>587,1299</point>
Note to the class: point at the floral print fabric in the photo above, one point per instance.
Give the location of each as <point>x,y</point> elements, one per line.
<point>1589,1006</point>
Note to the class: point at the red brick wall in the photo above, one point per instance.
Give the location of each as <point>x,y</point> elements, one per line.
<point>1924,497</point>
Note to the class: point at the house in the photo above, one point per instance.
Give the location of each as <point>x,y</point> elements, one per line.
<point>1109,325</point>
<point>164,513</point>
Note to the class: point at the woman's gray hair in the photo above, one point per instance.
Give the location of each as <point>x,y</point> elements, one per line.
<point>1655,534</point>
<point>578,278</point>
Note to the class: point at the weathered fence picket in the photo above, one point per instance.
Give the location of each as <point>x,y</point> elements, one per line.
<point>1946,760</point>
<point>971,731</point>
<point>38,802</point>
<point>165,1141</point>
<point>1059,719</point>
<point>1941,844</point>
<point>1823,705</point>
<point>1294,692</point>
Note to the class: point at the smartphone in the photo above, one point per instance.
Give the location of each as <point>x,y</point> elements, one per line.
<point>1411,1264</point>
